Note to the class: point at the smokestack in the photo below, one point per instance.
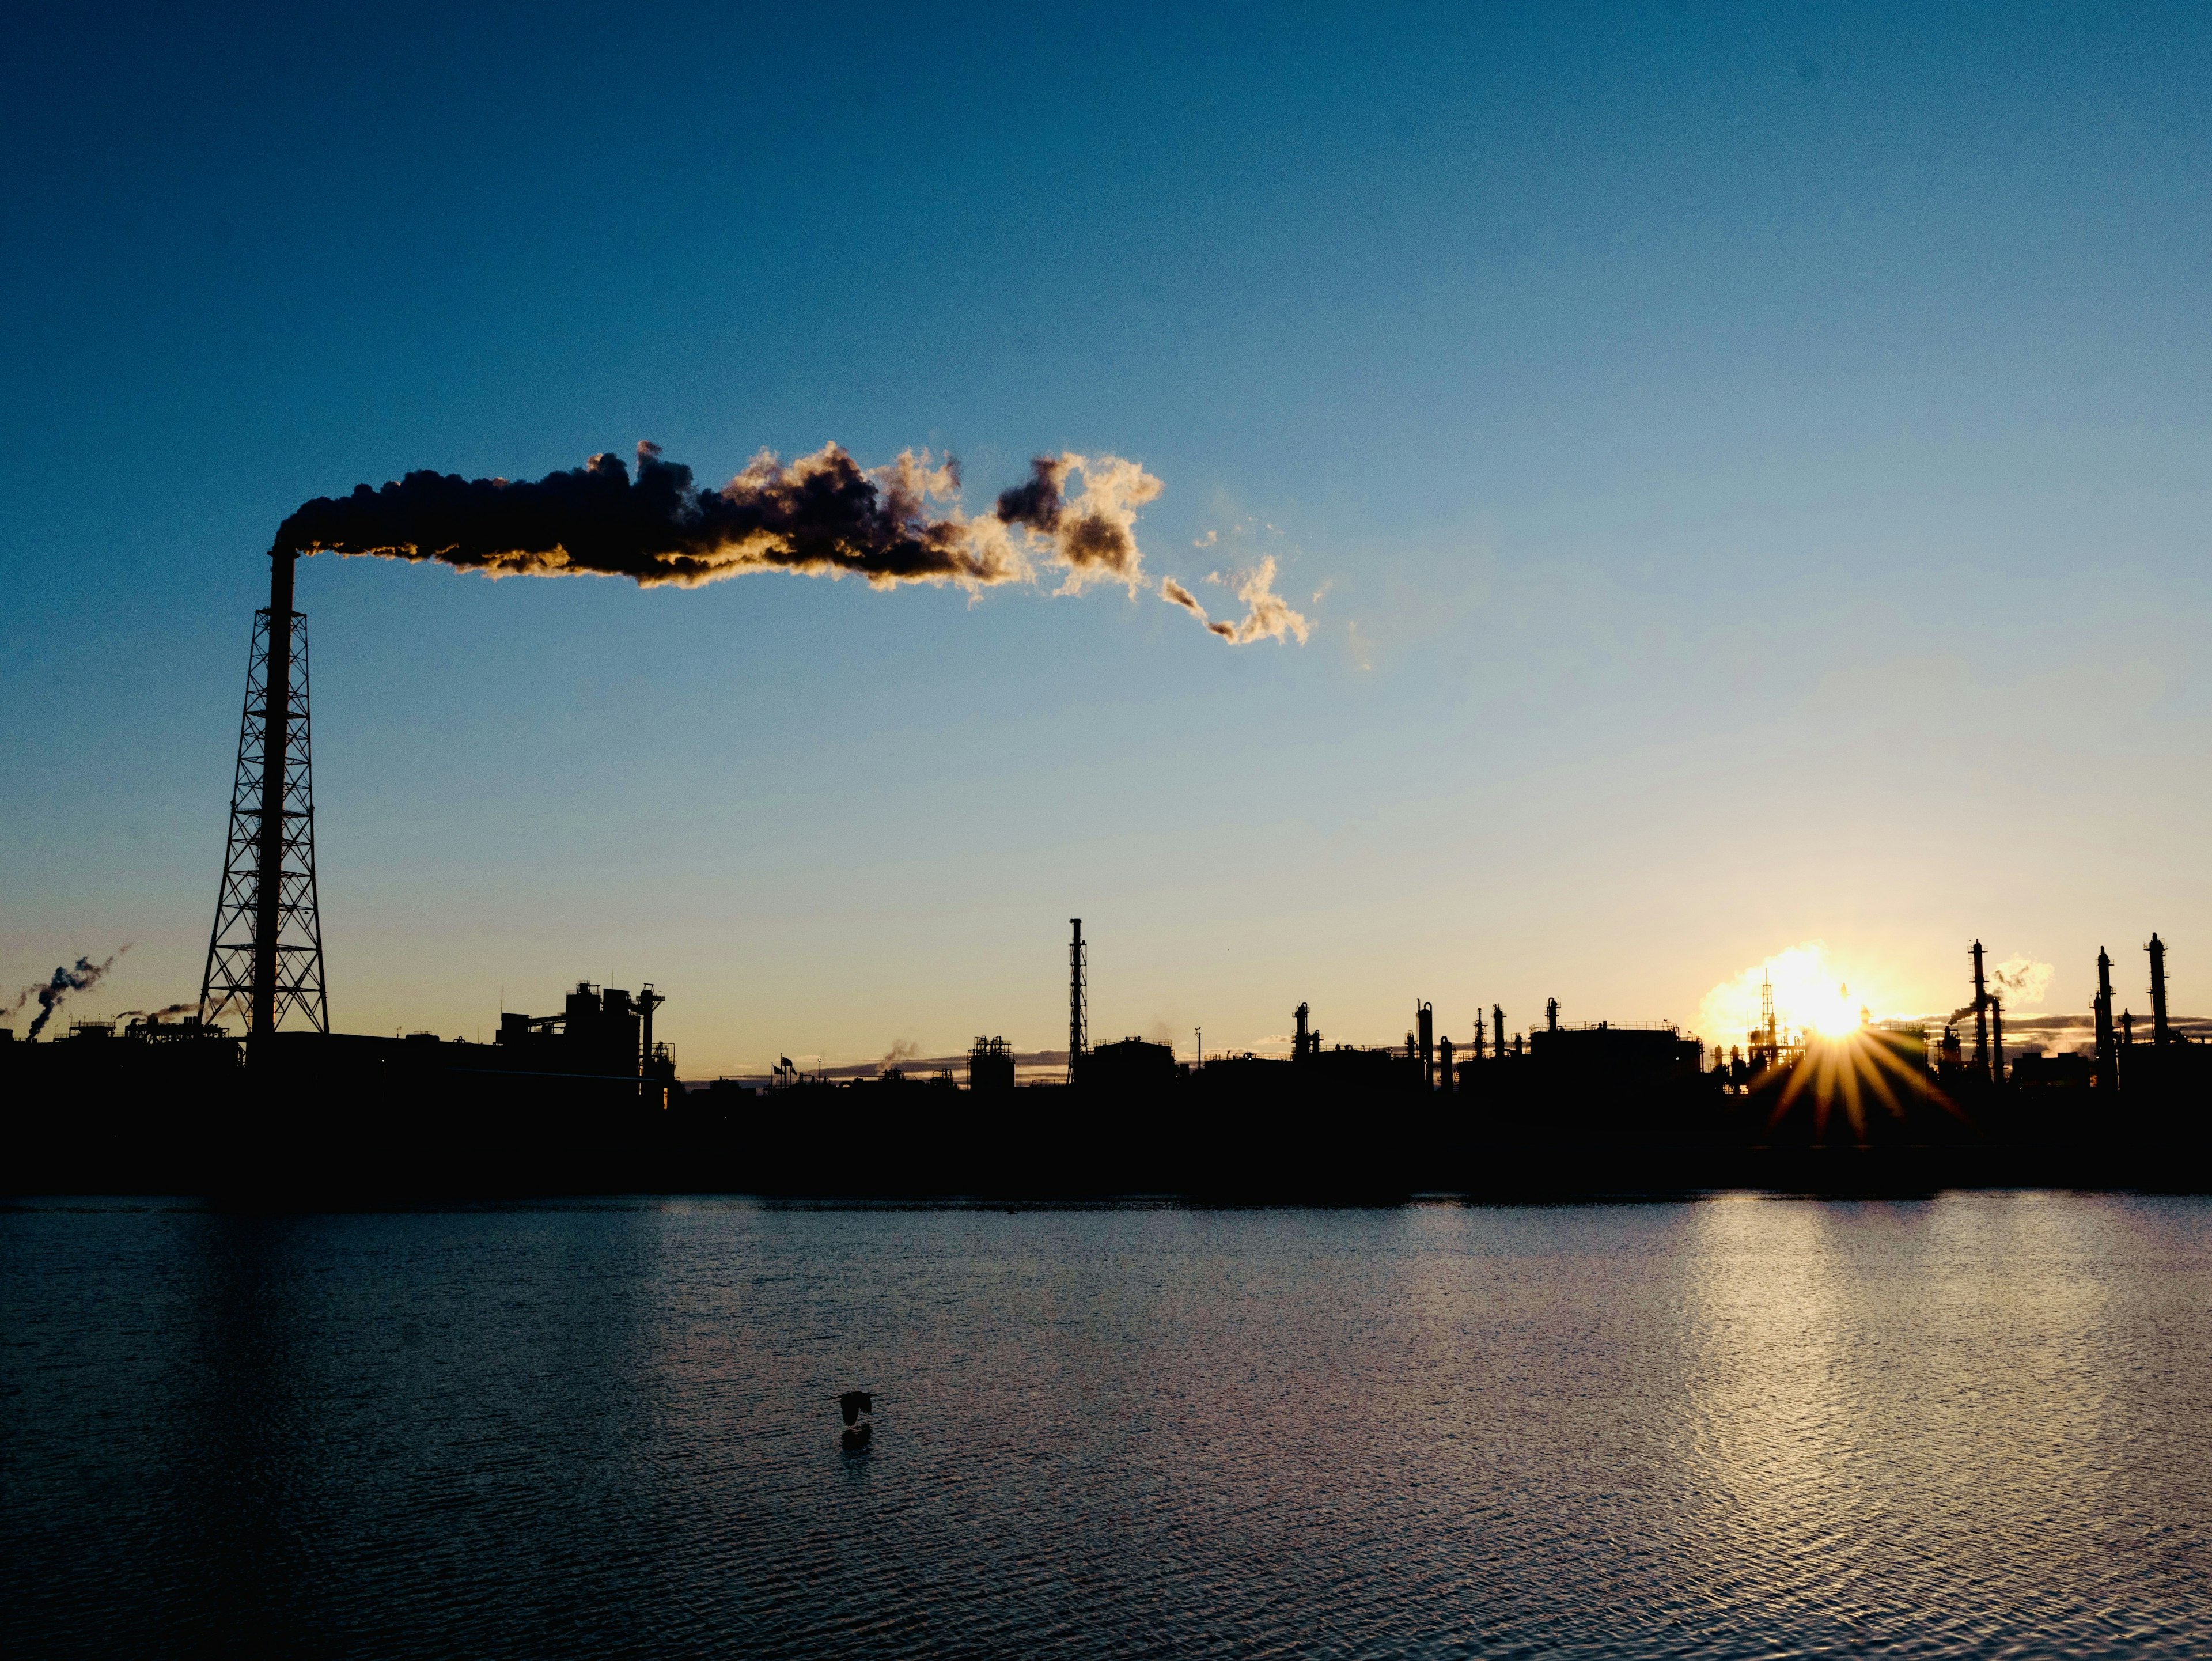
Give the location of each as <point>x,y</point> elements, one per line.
<point>1425,1022</point>
<point>1444,1052</point>
<point>1299,1042</point>
<point>275,745</point>
<point>1498,1030</point>
<point>2159,1033</point>
<point>1996,1039</point>
<point>2108,1051</point>
<point>648,1002</point>
<point>1550,1015</point>
<point>1981,1016</point>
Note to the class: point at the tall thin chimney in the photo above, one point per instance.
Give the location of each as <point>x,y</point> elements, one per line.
<point>276,741</point>
<point>2108,1048</point>
<point>1425,1022</point>
<point>2159,1032</point>
<point>264,955</point>
<point>1996,1039</point>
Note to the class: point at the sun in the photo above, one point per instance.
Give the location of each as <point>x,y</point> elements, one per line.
<point>1813,994</point>
<point>1831,1014</point>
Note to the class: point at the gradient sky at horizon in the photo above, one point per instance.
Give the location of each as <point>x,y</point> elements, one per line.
<point>1745,465</point>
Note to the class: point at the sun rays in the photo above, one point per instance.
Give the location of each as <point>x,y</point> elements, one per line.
<point>1862,1070</point>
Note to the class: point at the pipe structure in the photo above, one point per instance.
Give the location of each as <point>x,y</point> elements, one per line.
<point>1444,1054</point>
<point>1996,1039</point>
<point>1498,1030</point>
<point>2160,1034</point>
<point>1425,1022</point>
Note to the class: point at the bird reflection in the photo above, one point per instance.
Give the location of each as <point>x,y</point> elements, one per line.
<point>858,1407</point>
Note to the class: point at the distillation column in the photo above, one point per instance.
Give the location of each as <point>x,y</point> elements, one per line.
<point>1981,1016</point>
<point>2161,1035</point>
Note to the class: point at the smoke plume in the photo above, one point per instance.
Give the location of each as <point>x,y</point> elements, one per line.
<point>63,982</point>
<point>1175,594</point>
<point>161,1014</point>
<point>2018,980</point>
<point>822,514</point>
<point>2022,980</point>
<point>1268,616</point>
<point>1090,537</point>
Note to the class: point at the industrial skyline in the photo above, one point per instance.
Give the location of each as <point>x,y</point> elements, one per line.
<point>264,958</point>
<point>1742,478</point>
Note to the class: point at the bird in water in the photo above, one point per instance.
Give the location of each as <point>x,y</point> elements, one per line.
<point>855,1405</point>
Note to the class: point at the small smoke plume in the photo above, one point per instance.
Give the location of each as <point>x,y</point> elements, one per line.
<point>85,974</point>
<point>822,514</point>
<point>1175,593</point>
<point>2021,980</point>
<point>902,1052</point>
<point>165,1013</point>
<point>1268,616</point>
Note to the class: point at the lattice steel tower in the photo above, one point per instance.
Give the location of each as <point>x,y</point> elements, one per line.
<point>264,956</point>
<point>1079,999</point>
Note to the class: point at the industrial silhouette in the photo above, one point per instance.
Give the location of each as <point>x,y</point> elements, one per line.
<point>264,956</point>
<point>587,1100</point>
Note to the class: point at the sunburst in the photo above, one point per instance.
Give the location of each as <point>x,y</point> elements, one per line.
<point>1860,1069</point>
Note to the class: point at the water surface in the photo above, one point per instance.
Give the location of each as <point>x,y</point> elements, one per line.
<point>1971,1425</point>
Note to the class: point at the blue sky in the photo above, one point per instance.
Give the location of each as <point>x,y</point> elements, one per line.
<point>1752,461</point>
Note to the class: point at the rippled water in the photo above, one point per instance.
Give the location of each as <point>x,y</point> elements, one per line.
<point>1972,1426</point>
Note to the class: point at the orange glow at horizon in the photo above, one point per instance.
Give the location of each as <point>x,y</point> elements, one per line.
<point>1813,994</point>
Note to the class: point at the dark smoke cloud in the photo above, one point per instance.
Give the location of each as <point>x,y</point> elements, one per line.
<point>1037,503</point>
<point>1091,537</point>
<point>822,514</point>
<point>64,981</point>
